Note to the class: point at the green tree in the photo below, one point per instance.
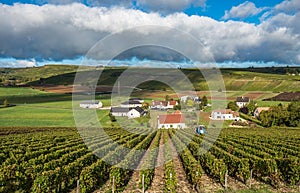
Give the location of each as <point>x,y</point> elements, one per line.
<point>167,97</point>
<point>251,107</point>
<point>112,117</point>
<point>204,101</point>
<point>177,107</point>
<point>233,106</point>
<point>5,103</point>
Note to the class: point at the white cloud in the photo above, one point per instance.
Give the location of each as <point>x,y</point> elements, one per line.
<point>17,63</point>
<point>242,11</point>
<point>288,6</point>
<point>67,31</point>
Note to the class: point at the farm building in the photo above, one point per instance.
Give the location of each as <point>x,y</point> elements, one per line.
<point>136,112</point>
<point>131,104</point>
<point>119,111</point>
<point>91,104</point>
<point>184,99</point>
<point>176,121</point>
<point>242,101</point>
<point>163,105</point>
<point>225,114</point>
<point>127,112</point>
<point>258,110</point>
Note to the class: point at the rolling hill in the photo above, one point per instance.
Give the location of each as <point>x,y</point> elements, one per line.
<point>276,79</point>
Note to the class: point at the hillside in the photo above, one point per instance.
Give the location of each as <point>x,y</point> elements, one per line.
<point>280,79</point>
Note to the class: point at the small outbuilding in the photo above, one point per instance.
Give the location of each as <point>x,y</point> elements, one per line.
<point>225,114</point>
<point>91,104</point>
<point>258,110</point>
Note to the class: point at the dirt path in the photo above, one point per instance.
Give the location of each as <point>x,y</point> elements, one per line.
<point>234,184</point>
<point>208,184</point>
<point>158,183</point>
<point>182,183</point>
<point>133,184</point>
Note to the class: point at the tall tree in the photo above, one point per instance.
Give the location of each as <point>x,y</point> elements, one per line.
<point>233,106</point>
<point>167,97</point>
<point>5,103</point>
<point>204,101</point>
<point>251,107</point>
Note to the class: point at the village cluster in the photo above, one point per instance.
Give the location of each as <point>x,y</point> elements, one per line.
<point>137,107</point>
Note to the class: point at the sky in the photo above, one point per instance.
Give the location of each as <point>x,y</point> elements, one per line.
<point>236,33</point>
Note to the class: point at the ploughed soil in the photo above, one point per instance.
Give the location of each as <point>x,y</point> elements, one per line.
<point>69,88</point>
<point>286,96</point>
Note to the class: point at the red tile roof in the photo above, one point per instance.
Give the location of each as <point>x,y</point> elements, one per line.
<point>172,118</point>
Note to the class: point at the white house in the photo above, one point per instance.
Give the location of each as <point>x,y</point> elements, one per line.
<point>91,104</point>
<point>136,112</point>
<point>171,104</point>
<point>163,105</point>
<point>127,112</point>
<point>119,111</point>
<point>224,114</point>
<point>184,99</point>
<point>176,121</point>
<point>242,101</point>
<point>258,110</point>
<point>131,104</point>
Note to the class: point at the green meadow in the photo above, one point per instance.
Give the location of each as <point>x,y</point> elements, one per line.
<point>34,107</point>
<point>37,108</point>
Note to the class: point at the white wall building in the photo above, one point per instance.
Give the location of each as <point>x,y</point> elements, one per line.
<point>171,121</point>
<point>127,112</point>
<point>242,101</point>
<point>91,104</point>
<point>225,114</point>
<point>136,112</point>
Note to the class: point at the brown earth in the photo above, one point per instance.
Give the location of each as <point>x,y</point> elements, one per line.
<point>69,89</point>
<point>182,183</point>
<point>158,182</point>
<point>286,96</point>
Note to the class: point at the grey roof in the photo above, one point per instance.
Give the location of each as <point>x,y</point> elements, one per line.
<point>243,99</point>
<point>126,110</point>
<point>140,110</point>
<point>131,102</point>
<point>119,110</point>
<point>135,99</point>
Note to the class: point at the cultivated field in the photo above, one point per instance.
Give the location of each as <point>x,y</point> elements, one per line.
<point>42,151</point>
<point>53,160</point>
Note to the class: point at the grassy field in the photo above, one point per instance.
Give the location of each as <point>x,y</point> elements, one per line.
<point>37,108</point>
<point>41,109</point>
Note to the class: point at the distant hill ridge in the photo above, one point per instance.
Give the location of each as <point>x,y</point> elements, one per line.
<point>277,79</point>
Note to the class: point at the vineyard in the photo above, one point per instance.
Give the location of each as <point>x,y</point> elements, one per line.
<point>60,160</point>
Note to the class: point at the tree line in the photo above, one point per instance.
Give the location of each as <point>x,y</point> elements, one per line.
<point>282,116</point>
